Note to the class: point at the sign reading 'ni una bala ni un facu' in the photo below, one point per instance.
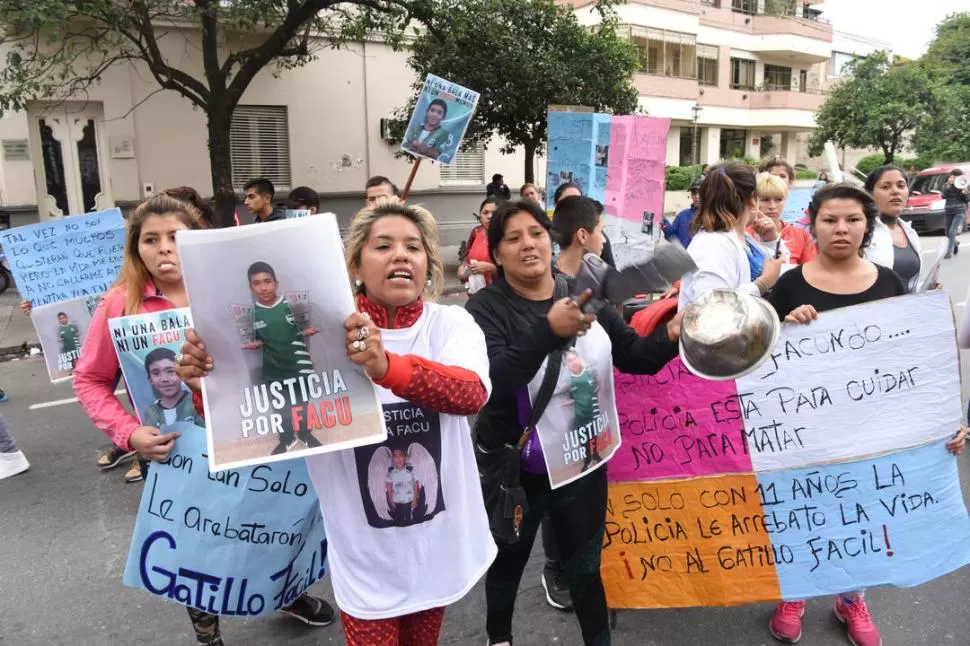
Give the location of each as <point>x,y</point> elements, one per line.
<point>824,470</point>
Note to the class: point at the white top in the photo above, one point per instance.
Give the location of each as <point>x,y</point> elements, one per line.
<point>389,559</point>
<point>721,262</point>
<point>881,252</point>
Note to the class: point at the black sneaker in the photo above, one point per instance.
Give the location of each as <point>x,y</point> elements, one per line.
<point>112,457</point>
<point>312,611</point>
<point>280,448</point>
<point>956,248</point>
<point>309,440</point>
<point>557,590</point>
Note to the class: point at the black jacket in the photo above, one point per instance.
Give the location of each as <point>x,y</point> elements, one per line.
<point>956,200</point>
<point>518,338</point>
<point>279,213</point>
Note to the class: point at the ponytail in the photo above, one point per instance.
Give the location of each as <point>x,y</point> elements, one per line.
<point>724,193</point>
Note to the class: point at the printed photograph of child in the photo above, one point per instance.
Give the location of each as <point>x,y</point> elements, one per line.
<point>173,401</point>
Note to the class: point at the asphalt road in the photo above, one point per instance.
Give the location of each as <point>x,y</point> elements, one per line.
<point>65,529</point>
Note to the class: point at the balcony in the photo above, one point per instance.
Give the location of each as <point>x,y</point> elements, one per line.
<point>764,98</point>
<point>789,31</point>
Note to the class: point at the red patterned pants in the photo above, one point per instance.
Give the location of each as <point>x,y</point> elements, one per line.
<point>417,629</point>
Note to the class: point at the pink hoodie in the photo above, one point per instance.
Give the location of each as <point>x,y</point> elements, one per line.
<point>97,371</point>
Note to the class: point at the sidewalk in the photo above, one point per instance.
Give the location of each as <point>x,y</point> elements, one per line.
<point>17,334</point>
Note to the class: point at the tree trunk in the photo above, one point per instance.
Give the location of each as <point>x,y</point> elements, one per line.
<point>220,164</point>
<point>530,162</point>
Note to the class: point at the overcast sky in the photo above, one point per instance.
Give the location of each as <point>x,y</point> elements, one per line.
<point>907,24</point>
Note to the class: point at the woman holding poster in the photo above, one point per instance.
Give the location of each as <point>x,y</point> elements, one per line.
<point>398,510</point>
<point>524,325</point>
<point>842,219</point>
<point>150,281</point>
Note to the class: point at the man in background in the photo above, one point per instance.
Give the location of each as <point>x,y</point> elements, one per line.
<point>498,188</point>
<point>379,188</point>
<point>259,200</point>
<point>303,198</point>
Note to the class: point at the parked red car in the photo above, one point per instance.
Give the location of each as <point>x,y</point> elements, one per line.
<point>924,209</point>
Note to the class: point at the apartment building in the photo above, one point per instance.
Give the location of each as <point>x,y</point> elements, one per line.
<point>737,77</point>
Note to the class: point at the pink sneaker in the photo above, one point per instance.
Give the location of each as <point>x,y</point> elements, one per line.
<point>786,623</point>
<point>858,624</point>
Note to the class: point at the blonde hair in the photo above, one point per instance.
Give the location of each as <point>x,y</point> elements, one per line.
<point>363,222</point>
<point>134,274</point>
<point>771,186</point>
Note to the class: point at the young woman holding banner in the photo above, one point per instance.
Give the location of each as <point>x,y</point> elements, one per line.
<point>842,218</point>
<point>400,555</point>
<point>150,281</point>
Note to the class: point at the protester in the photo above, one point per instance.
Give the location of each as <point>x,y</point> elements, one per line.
<point>259,200</point>
<point>303,198</point>
<point>498,188</point>
<point>478,262</point>
<point>780,168</point>
<point>894,243</point>
<point>843,219</point>
<point>12,461</point>
<point>823,180</point>
<point>954,212</point>
<point>724,255</point>
<point>679,229</point>
<point>568,189</point>
<point>190,195</point>
<point>523,324</point>
<point>150,281</point>
<point>530,192</point>
<point>797,246</point>
<point>578,229</point>
<point>379,188</point>
<point>393,581</point>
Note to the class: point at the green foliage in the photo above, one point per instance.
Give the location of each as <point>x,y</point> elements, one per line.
<point>879,105</point>
<point>805,174</point>
<point>945,136</point>
<point>679,178</point>
<point>523,56</point>
<point>870,163</point>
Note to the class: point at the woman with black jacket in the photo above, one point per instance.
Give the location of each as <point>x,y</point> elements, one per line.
<point>954,211</point>
<point>523,324</point>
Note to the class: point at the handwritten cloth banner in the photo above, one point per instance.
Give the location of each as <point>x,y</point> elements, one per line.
<point>619,161</point>
<point>238,543</point>
<point>68,258</point>
<point>822,471</point>
<point>284,387</point>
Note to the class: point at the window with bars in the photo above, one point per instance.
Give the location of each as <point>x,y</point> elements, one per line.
<point>665,53</point>
<point>778,78</point>
<point>742,74</point>
<point>468,166</point>
<point>745,6</point>
<point>259,140</point>
<point>707,61</point>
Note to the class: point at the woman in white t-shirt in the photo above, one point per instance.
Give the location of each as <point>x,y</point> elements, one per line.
<point>724,255</point>
<point>405,519</point>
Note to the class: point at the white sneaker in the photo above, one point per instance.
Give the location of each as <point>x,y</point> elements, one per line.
<point>12,463</point>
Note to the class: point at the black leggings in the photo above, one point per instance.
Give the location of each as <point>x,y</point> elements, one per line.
<point>577,512</point>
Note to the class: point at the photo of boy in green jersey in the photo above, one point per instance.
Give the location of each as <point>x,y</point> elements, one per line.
<point>70,341</point>
<point>285,354</point>
<point>174,403</point>
<point>584,399</point>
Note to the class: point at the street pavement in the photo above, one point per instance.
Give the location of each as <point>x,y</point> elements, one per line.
<point>65,529</point>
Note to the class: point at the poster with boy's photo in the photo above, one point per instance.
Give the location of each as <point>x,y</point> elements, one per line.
<point>147,345</point>
<point>579,429</point>
<point>270,304</point>
<point>61,328</point>
<point>400,479</point>
<point>441,116</point>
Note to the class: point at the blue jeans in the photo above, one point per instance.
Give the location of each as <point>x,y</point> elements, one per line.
<point>954,227</point>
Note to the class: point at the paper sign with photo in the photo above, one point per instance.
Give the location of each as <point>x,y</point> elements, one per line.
<point>579,430</point>
<point>270,303</point>
<point>441,116</point>
<point>61,328</point>
<point>146,345</point>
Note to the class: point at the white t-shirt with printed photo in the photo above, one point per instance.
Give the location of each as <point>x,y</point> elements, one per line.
<point>387,562</point>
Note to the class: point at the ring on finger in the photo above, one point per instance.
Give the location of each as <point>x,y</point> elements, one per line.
<point>179,358</point>
<point>361,333</point>
<point>359,345</point>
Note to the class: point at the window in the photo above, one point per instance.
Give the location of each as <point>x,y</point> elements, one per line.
<point>838,62</point>
<point>712,3</point>
<point>259,140</point>
<point>777,77</point>
<point>745,6</point>
<point>687,146</point>
<point>468,166</point>
<point>732,143</point>
<point>665,53</point>
<point>707,59</point>
<point>742,74</point>
<point>803,80</point>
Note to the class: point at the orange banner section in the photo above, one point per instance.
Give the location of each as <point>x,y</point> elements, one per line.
<point>679,543</point>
